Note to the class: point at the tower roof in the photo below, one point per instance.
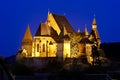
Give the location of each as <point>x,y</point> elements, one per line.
<point>86,31</point>
<point>94,21</point>
<point>28,35</point>
<point>78,31</point>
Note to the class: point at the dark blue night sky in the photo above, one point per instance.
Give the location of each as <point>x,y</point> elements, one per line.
<point>15,15</point>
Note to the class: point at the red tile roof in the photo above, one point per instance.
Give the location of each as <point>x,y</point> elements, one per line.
<point>62,21</point>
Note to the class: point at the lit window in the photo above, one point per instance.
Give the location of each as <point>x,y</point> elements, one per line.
<point>43,47</point>
<point>37,47</point>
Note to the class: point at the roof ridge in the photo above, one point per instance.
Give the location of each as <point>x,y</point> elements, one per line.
<point>58,14</point>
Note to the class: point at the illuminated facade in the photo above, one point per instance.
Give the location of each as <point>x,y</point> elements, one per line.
<point>53,39</point>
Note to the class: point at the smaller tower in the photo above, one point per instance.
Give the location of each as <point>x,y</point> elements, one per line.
<point>66,51</point>
<point>78,30</point>
<point>27,42</point>
<point>63,50</point>
<point>96,34</point>
<point>94,25</point>
<point>86,32</point>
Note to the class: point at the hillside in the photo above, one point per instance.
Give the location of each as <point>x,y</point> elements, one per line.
<point>112,50</point>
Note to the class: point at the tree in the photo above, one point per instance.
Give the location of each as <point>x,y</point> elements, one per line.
<point>74,38</point>
<point>95,55</point>
<point>101,53</point>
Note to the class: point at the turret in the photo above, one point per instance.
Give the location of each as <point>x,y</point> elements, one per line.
<point>86,32</point>
<point>78,31</point>
<point>94,25</point>
<point>96,34</point>
<point>27,42</point>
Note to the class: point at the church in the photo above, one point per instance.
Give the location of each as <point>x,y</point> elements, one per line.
<point>56,38</point>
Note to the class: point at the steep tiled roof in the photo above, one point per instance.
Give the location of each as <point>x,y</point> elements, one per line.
<point>38,32</point>
<point>43,30</point>
<point>53,34</point>
<point>28,35</point>
<point>61,20</point>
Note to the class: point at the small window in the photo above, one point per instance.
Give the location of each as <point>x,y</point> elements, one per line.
<point>37,47</point>
<point>43,47</point>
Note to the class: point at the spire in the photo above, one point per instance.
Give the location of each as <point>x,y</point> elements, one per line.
<point>86,31</point>
<point>48,11</point>
<point>48,21</point>
<point>95,31</point>
<point>78,30</point>
<point>28,35</point>
<point>94,24</point>
<point>94,21</point>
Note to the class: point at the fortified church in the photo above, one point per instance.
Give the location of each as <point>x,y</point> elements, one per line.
<point>56,38</point>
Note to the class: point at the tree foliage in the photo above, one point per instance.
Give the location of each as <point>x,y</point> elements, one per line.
<point>74,38</point>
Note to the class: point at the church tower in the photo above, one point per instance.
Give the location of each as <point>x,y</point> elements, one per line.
<point>96,34</point>
<point>27,42</point>
<point>64,44</point>
<point>66,50</point>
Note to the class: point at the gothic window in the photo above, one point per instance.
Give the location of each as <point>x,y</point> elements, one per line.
<point>47,47</point>
<point>43,47</point>
<point>37,47</point>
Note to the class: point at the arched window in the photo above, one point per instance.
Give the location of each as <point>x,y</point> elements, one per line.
<point>37,47</point>
<point>43,47</point>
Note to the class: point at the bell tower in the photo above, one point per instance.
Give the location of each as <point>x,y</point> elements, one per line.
<point>27,42</point>
<point>94,28</point>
